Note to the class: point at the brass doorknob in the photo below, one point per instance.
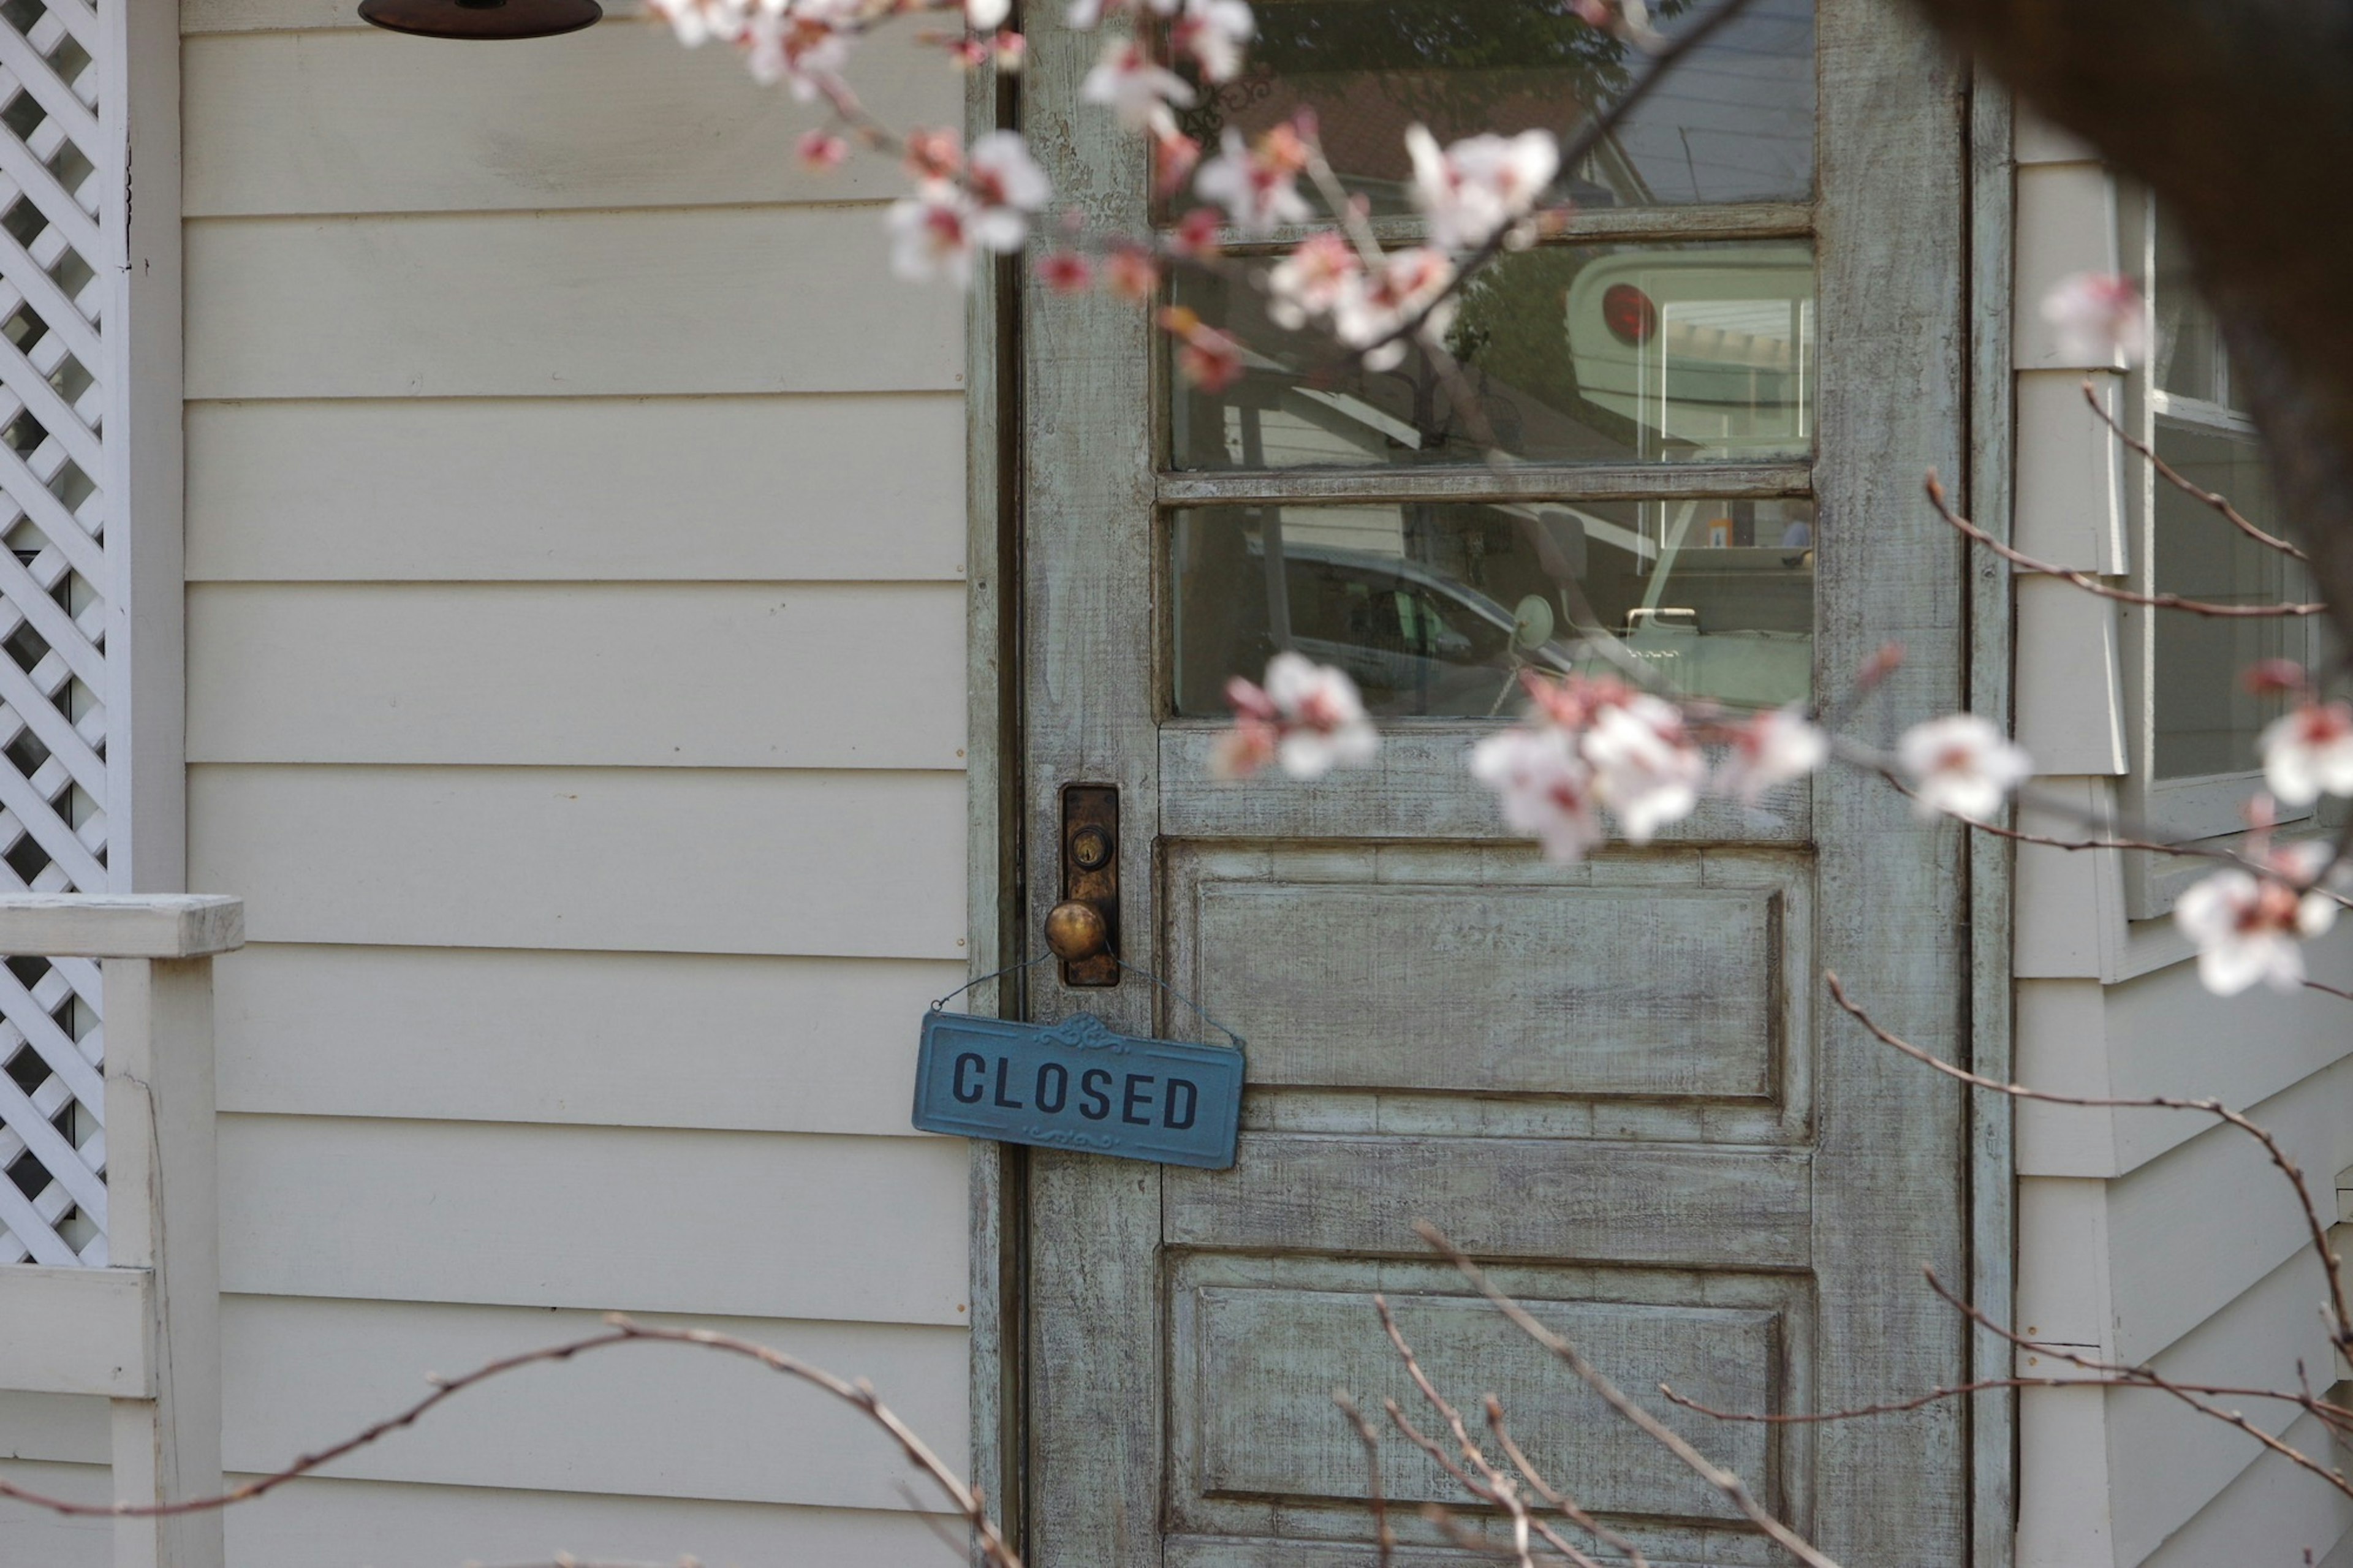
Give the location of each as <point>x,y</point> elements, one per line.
<point>1076,931</point>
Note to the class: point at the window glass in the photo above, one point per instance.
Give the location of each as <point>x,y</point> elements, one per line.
<point>1733,122</point>
<point>1567,353</point>
<point>1433,606</point>
<point>2206,719</point>
<point>2188,359</point>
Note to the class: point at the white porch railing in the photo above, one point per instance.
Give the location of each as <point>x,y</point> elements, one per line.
<point>143,1331</point>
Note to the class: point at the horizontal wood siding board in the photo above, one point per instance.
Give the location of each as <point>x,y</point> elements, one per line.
<point>363,120</point>
<point>765,1224</point>
<point>1653,991</point>
<point>784,489</point>
<point>1413,789</point>
<point>76,1331</point>
<point>324,1524</point>
<point>1499,1197</point>
<point>40,1539</point>
<point>645,1420</point>
<point>680,860</point>
<point>71,1429</point>
<point>638,674</point>
<point>2274,1500</point>
<point>734,300</point>
<point>777,1045</point>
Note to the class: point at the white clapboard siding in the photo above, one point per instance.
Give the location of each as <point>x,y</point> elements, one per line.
<point>71,1429</point>
<point>366,1524</point>
<point>2191,1230</point>
<point>2274,1501</point>
<point>784,1045</point>
<point>653,859</point>
<point>735,675</point>
<point>2167,1461</point>
<point>578,304</point>
<point>646,1420</point>
<point>627,489</point>
<point>632,1219</point>
<point>35,1538</point>
<point>617,116</point>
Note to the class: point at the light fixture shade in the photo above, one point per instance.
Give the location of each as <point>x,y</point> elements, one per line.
<point>482,18</point>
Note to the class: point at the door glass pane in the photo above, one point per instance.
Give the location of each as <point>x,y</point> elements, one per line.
<point>1568,354</point>
<point>2206,719</point>
<point>1733,122</point>
<point>1434,607</point>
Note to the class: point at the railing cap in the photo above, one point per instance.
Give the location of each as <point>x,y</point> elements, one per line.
<point>121,925</point>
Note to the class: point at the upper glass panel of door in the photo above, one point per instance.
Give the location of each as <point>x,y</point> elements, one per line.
<point>1733,122</point>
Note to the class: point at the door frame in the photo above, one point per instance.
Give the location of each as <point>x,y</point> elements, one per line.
<point>995,817</point>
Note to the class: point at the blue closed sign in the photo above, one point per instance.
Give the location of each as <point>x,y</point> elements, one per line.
<point>1077,1085</point>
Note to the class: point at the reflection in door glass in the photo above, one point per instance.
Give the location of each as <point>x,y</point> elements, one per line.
<point>1434,608</point>
<point>1733,121</point>
<point>1571,353</point>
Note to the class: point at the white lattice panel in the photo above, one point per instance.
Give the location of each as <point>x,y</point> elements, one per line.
<point>54,581</point>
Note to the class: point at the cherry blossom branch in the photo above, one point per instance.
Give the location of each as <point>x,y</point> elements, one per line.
<point>1582,147</point>
<point>1384,1538</point>
<point>2341,1330</point>
<point>2336,1416</point>
<point>2214,499</point>
<point>1733,1488</point>
<point>1493,1486</point>
<point>2092,584</point>
<point>1536,1483</point>
<point>859,1395</point>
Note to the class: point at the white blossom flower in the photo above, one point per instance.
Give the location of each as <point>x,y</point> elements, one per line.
<point>1960,765</point>
<point>987,16</point>
<point>1480,185</point>
<point>931,233</point>
<point>1006,185</point>
<point>1543,787</point>
<point>1312,280</point>
<point>2249,929</point>
<point>1137,90</point>
<point>697,22</point>
<point>1775,747</point>
<point>1370,315</point>
<point>2098,316</point>
<point>1213,32</point>
<point>1256,184</point>
<point>1308,717</point>
<point>1645,768</point>
<point>2308,752</point>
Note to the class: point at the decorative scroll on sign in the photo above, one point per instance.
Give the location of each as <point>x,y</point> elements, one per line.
<point>1076,1085</point>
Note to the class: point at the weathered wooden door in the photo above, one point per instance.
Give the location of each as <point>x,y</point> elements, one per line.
<point>1616,1082</point>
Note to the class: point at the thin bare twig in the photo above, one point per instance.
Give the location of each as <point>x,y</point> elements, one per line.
<point>858,1393</point>
<point>2336,1416</point>
<point>2316,1229</point>
<point>1553,1495</point>
<point>1493,1486</point>
<point>1734,1489</point>
<point>2092,584</point>
<point>1384,1538</point>
<point>2215,499</point>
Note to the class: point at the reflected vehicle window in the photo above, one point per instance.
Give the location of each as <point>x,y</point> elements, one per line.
<point>1434,608</point>
<point>1733,122</point>
<point>1567,353</point>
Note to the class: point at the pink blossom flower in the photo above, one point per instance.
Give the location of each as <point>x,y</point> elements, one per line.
<point>1645,768</point>
<point>1406,283</point>
<point>1173,156</point>
<point>1307,717</point>
<point>1208,358</point>
<point>1312,280</point>
<point>931,234</point>
<point>1960,765</point>
<point>1543,787</point>
<point>804,44</point>
<point>1065,272</point>
<point>1137,90</point>
<point>1480,185</point>
<point>1197,234</point>
<point>1213,33</point>
<point>2308,752</point>
<point>1011,50</point>
<point>1257,185</point>
<point>822,152</point>
<point>2098,317</point>
<point>1775,747</point>
<point>932,155</point>
<point>1131,273</point>
<point>1007,187</point>
<point>2249,929</point>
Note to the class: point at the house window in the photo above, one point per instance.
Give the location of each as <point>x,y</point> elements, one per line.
<point>1337,509</point>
